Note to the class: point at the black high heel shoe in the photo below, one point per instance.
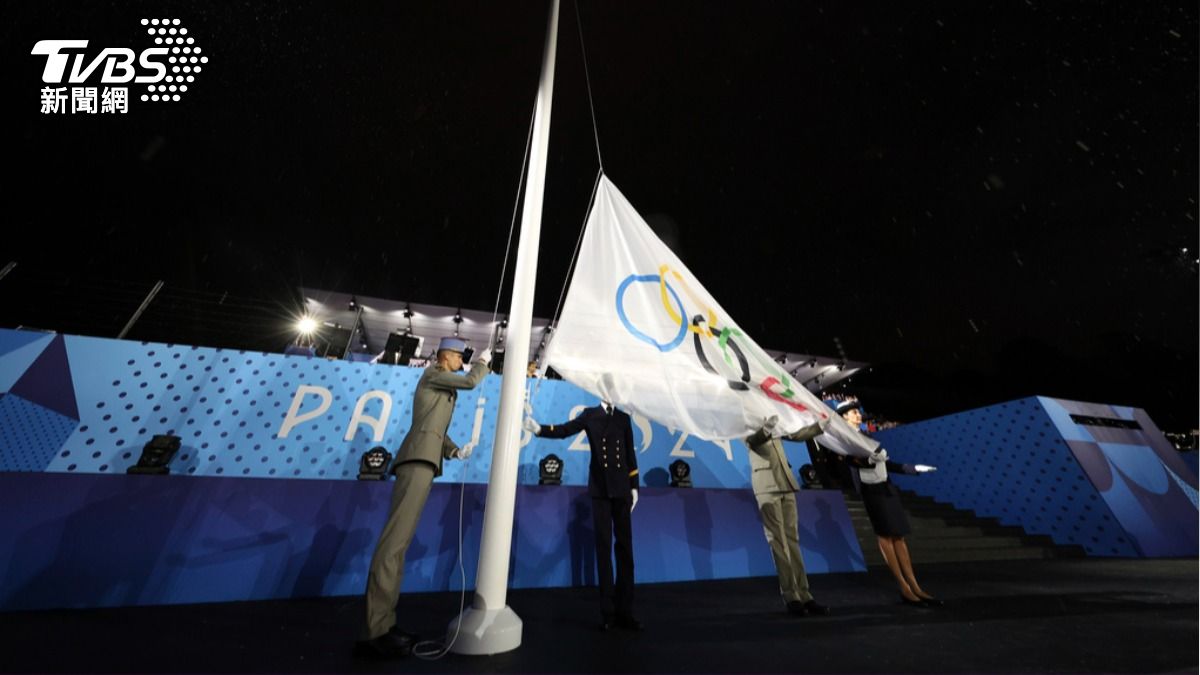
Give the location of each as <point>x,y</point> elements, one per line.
<point>932,602</point>
<point>912,603</point>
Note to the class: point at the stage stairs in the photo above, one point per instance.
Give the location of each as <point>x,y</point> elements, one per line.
<point>943,533</point>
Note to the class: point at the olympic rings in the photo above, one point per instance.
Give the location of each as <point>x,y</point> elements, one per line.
<point>712,318</point>
<point>771,394</point>
<point>683,327</point>
<point>701,326</point>
<point>736,385</point>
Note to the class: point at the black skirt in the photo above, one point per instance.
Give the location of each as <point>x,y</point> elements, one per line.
<point>884,509</point>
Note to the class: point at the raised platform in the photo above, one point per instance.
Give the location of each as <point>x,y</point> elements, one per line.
<point>88,540</point>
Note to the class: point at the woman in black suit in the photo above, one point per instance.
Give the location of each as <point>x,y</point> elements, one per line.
<point>882,500</point>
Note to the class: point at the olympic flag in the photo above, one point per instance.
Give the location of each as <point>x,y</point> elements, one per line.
<point>638,329</point>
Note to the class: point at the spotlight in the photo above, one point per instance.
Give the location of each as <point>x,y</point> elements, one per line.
<point>458,316</point>
<point>400,348</point>
<point>550,470</point>
<point>408,313</point>
<point>306,325</point>
<point>681,474</point>
<point>498,358</point>
<point>353,303</point>
<point>808,477</point>
<point>156,455</point>
<point>374,464</point>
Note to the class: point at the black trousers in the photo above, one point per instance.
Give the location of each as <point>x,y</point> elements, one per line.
<point>610,519</point>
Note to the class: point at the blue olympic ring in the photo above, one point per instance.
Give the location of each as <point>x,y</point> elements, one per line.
<point>683,326</point>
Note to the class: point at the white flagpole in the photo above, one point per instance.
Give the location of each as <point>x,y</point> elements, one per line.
<point>489,626</point>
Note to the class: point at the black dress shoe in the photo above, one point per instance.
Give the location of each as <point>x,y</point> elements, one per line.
<point>387,646</point>
<point>405,635</point>
<point>627,622</point>
<point>814,607</point>
<point>796,607</point>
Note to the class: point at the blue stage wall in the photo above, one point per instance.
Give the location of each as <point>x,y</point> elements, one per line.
<point>87,405</point>
<point>89,540</point>
<point>1112,483</point>
<point>78,532</point>
<point>1190,460</point>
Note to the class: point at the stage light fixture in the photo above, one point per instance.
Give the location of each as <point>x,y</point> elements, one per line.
<point>156,455</point>
<point>808,477</point>
<point>353,303</point>
<point>497,364</point>
<point>550,470</point>
<point>306,325</point>
<point>374,464</point>
<point>681,474</point>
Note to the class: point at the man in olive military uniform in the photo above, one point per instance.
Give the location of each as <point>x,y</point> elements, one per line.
<point>775,491</point>
<point>612,485</point>
<point>418,462</point>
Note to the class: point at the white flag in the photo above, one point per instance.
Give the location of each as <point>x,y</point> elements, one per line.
<point>639,330</point>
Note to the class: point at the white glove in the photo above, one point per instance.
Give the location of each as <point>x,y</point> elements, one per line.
<point>880,455</point>
<point>463,453</point>
<point>485,357</point>
<point>769,424</point>
<point>924,468</point>
<point>634,504</point>
<point>531,426</point>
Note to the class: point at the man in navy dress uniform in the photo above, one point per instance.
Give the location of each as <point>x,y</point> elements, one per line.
<point>612,485</point>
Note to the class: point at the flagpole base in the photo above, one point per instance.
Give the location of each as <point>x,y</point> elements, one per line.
<point>485,631</point>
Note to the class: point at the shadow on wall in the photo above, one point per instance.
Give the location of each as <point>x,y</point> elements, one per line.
<point>838,552</point>
<point>130,512</point>
<point>657,477</point>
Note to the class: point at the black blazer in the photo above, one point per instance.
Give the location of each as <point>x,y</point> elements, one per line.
<point>613,470</point>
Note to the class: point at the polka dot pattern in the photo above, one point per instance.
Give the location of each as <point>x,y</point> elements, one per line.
<point>1009,462</point>
<point>30,435</point>
<point>229,408</point>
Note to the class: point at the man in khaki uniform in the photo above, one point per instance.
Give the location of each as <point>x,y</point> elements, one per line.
<point>775,491</point>
<point>418,462</point>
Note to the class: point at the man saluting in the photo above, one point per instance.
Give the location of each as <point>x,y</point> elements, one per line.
<point>418,462</point>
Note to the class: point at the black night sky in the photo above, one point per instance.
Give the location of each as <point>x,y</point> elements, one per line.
<point>986,200</point>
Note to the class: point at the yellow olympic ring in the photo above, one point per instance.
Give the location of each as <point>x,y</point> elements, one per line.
<point>705,330</point>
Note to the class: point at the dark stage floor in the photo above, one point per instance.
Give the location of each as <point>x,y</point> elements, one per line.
<point>1062,616</point>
